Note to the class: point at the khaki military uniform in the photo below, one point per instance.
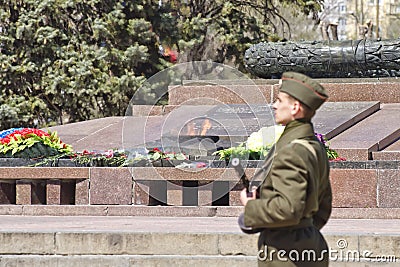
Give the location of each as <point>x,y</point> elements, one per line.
<point>295,202</point>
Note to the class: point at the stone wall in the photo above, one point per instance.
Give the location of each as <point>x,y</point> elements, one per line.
<point>368,184</point>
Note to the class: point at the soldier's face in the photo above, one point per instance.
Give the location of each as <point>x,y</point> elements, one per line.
<point>283,107</point>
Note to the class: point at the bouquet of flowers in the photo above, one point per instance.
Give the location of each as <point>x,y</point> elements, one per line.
<point>111,157</point>
<point>156,154</point>
<point>259,143</point>
<point>256,147</point>
<point>31,143</point>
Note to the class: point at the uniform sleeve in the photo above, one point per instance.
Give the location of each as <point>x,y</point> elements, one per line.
<point>283,197</point>
<point>323,214</point>
<point>325,205</point>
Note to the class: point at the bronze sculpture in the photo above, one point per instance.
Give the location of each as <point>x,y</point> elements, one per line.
<point>326,59</point>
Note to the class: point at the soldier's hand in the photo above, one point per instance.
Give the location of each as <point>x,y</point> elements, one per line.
<point>245,197</point>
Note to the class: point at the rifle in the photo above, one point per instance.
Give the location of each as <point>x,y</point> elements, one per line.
<point>242,174</point>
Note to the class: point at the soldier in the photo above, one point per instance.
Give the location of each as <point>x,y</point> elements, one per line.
<point>295,198</point>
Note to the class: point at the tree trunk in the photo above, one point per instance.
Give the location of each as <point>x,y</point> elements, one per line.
<point>324,30</point>
<point>333,27</point>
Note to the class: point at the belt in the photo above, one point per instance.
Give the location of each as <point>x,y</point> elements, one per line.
<point>304,223</point>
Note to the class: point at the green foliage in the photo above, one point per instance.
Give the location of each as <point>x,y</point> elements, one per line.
<point>241,152</point>
<point>30,150</point>
<point>111,158</point>
<point>72,60</point>
<point>255,149</point>
<point>69,60</point>
<point>332,154</point>
<point>157,154</point>
<point>222,30</point>
<point>14,112</point>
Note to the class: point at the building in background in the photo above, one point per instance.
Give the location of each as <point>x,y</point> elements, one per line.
<point>356,19</point>
<point>350,19</point>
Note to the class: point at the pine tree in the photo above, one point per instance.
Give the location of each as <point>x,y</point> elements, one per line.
<point>69,60</point>
<point>74,60</point>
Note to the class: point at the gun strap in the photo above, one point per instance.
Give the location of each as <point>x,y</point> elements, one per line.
<point>267,164</point>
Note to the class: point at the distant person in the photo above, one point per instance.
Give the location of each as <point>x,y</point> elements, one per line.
<point>295,198</point>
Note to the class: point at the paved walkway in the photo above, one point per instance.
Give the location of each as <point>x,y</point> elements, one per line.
<point>173,225</point>
<point>174,241</point>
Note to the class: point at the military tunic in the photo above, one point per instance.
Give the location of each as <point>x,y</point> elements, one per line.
<point>295,202</point>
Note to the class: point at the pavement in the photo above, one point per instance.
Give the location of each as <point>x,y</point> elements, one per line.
<point>67,241</point>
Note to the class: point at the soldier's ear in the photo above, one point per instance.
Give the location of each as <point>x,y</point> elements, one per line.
<point>296,108</point>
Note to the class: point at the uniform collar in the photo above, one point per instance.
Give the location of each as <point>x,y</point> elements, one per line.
<point>296,129</point>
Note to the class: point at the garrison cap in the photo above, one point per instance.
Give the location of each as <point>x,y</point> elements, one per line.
<point>304,89</point>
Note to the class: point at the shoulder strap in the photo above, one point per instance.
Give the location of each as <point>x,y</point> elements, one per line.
<point>266,167</point>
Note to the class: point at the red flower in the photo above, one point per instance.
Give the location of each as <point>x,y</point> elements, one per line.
<point>109,153</point>
<point>339,159</point>
<point>26,133</point>
<point>5,140</point>
<point>201,165</point>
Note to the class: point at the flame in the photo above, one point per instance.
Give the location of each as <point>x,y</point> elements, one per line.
<point>205,126</point>
<point>191,128</point>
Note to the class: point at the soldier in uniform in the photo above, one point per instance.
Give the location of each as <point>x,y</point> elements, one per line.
<point>294,200</point>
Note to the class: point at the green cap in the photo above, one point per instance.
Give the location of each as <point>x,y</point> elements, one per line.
<point>304,89</point>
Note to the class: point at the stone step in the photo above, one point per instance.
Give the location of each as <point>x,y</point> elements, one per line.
<point>261,81</point>
<point>174,211</point>
<point>392,152</point>
<point>395,147</point>
<point>80,134</point>
<point>382,90</point>
<point>386,155</point>
<point>126,261</point>
<point>156,260</point>
<point>372,134</point>
<point>156,241</point>
<point>264,91</point>
<point>334,118</point>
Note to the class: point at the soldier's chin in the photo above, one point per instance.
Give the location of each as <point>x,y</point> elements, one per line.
<point>278,121</point>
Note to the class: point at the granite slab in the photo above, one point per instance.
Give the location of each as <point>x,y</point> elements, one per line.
<point>358,124</point>
<point>110,133</point>
<point>243,119</point>
<point>230,121</point>
<point>200,94</point>
<point>110,186</point>
<point>79,133</point>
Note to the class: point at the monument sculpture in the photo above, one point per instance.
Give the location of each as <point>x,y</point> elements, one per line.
<point>326,59</point>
